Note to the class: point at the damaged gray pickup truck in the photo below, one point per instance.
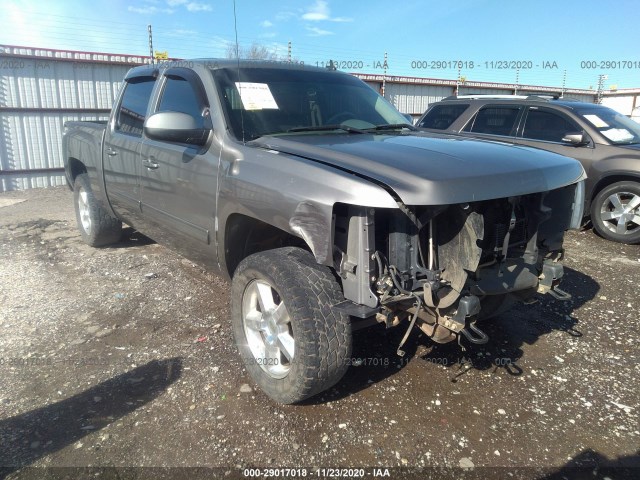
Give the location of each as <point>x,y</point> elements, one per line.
<point>327,210</point>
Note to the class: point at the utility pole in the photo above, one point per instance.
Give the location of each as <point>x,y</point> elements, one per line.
<point>289,52</point>
<point>515,91</point>
<point>150,45</point>
<point>384,75</point>
<point>600,92</point>
<point>458,80</point>
<point>564,83</point>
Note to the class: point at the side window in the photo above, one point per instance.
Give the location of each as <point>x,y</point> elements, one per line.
<point>178,95</point>
<point>133,107</point>
<point>495,120</point>
<point>548,126</point>
<point>440,117</point>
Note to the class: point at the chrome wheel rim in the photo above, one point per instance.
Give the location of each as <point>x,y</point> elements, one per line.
<point>620,213</point>
<point>268,329</point>
<point>83,210</point>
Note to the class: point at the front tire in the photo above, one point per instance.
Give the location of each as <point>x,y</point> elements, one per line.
<point>97,226</point>
<point>615,212</point>
<point>293,342</point>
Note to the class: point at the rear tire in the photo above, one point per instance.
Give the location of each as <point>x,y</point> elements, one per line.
<point>97,226</point>
<point>615,212</point>
<point>293,343</point>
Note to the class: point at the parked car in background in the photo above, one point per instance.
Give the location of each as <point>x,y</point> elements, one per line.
<point>606,142</point>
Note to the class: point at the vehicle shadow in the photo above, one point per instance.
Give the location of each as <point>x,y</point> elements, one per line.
<point>592,465</point>
<point>37,433</point>
<point>508,332</point>
<point>131,238</point>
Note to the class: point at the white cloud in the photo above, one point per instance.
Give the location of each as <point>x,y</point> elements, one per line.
<point>180,33</point>
<point>284,16</point>
<point>149,10</point>
<point>266,24</point>
<point>198,7</point>
<point>318,32</point>
<point>175,3</point>
<point>319,12</point>
<point>268,35</point>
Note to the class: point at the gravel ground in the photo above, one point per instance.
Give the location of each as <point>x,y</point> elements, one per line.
<point>123,357</point>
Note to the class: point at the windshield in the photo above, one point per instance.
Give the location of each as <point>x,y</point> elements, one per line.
<point>617,128</point>
<point>277,101</point>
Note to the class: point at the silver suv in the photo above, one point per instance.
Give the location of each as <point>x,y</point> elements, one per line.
<point>606,143</point>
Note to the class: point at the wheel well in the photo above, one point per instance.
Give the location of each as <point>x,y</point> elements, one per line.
<point>76,167</point>
<point>245,236</point>
<point>606,181</point>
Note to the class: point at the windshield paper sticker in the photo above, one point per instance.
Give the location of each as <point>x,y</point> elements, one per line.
<point>597,121</point>
<point>617,134</point>
<point>256,96</point>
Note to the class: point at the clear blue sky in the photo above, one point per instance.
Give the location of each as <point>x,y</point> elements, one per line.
<point>502,32</point>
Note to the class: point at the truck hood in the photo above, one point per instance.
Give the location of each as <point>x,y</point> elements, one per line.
<point>431,169</point>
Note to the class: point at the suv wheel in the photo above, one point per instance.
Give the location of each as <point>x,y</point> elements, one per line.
<point>615,212</point>
<point>97,226</point>
<point>293,343</point>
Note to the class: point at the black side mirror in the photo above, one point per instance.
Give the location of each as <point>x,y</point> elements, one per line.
<point>577,139</point>
<point>175,127</point>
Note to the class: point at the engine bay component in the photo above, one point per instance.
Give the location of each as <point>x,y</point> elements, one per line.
<point>447,268</point>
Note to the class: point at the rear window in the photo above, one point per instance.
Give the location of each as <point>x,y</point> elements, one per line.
<point>440,117</point>
<point>133,108</point>
<point>495,120</point>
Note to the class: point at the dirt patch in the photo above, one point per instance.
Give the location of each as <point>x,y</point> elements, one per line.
<point>124,357</point>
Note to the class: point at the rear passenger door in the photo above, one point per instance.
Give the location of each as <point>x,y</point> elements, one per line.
<point>498,121</point>
<point>121,149</point>
<point>179,181</point>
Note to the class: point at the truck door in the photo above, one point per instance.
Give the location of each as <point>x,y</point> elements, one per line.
<point>179,181</point>
<point>121,149</point>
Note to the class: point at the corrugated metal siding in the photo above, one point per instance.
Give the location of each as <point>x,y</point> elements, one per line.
<point>485,91</point>
<point>415,99</point>
<point>22,181</point>
<point>59,84</point>
<point>622,104</point>
<point>581,97</point>
<point>374,85</point>
<point>57,91</point>
<point>35,138</point>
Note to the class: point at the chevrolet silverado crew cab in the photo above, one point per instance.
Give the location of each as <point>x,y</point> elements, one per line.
<point>324,207</point>
<point>606,143</point>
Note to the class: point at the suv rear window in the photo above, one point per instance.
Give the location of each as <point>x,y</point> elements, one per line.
<point>440,117</point>
<point>495,120</point>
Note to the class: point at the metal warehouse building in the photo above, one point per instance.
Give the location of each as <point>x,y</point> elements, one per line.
<point>40,89</point>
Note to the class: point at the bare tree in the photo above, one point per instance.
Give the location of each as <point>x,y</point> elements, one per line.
<point>254,52</point>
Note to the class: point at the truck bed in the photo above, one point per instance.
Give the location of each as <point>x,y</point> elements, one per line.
<point>83,141</point>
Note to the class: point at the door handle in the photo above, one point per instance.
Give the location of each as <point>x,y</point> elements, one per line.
<point>111,152</point>
<point>150,164</point>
